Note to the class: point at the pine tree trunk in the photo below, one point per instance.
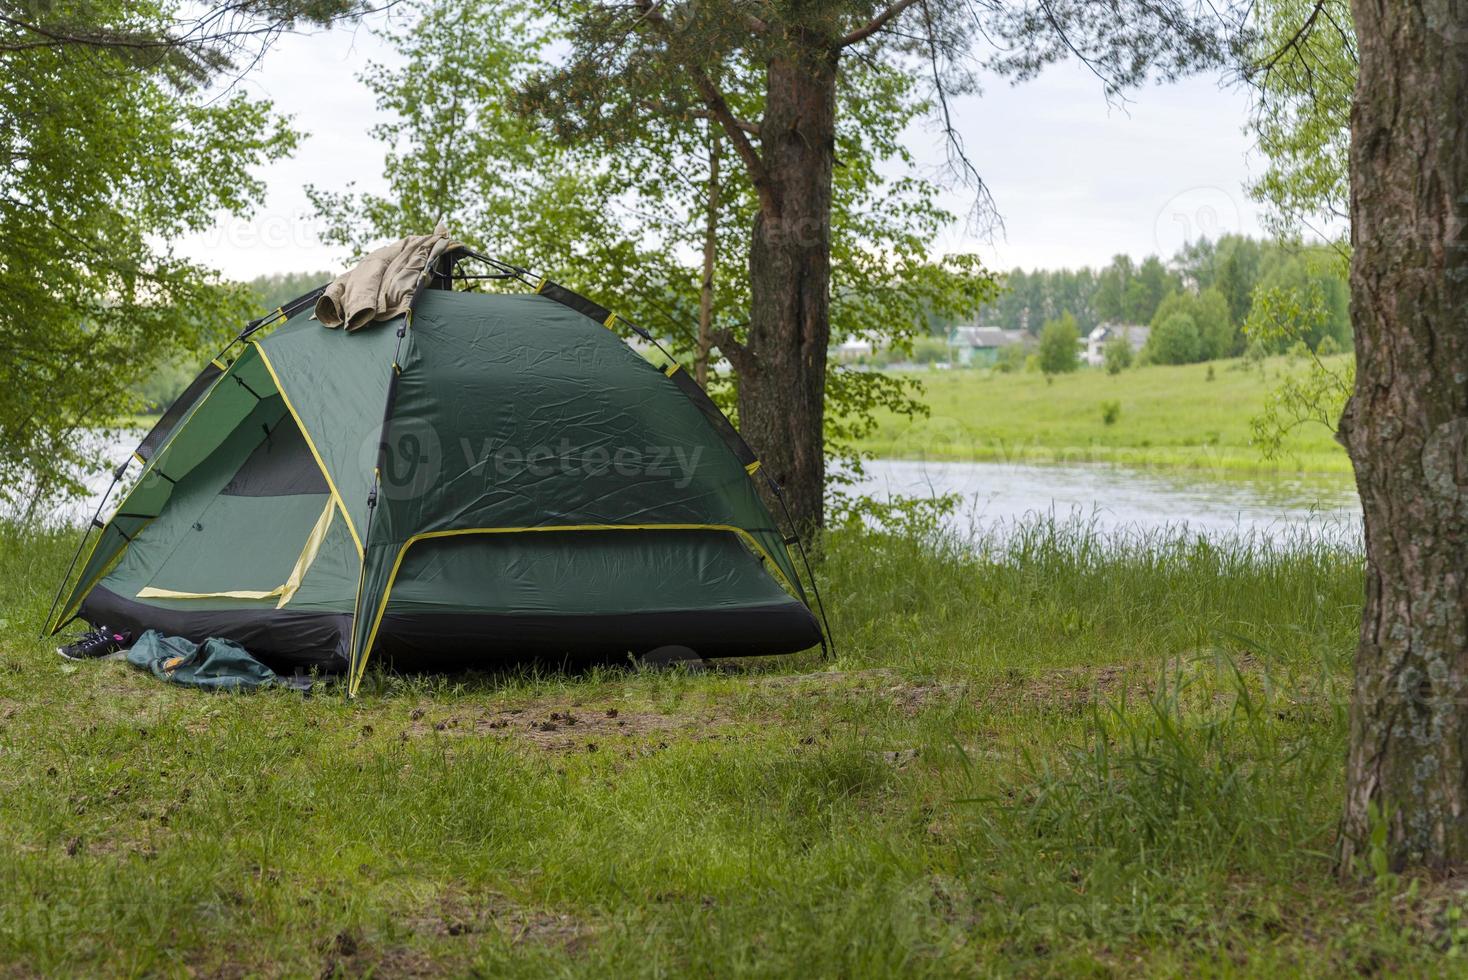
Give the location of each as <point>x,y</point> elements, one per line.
<point>1406,428</point>
<point>782,370</point>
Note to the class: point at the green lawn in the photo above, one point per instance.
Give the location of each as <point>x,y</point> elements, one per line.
<point>1170,417</point>
<point>1035,758</point>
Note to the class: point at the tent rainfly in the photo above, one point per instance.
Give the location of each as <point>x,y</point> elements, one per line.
<point>488,476</point>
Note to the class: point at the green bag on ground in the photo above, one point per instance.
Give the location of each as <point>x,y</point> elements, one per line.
<point>216,664</point>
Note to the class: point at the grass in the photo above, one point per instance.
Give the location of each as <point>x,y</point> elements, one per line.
<point>1051,754</point>
<point>1172,417</point>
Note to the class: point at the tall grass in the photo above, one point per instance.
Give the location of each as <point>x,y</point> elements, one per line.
<point>1049,592</point>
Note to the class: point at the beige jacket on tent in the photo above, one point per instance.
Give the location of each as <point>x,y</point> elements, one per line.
<point>381,285</point>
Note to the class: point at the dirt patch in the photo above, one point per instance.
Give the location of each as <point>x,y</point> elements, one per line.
<point>1072,690</point>
<point>908,696</point>
<point>565,727</point>
<point>459,916</point>
<point>559,725</point>
<point>349,955</point>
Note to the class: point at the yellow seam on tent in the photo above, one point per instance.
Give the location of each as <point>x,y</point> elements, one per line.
<point>744,535</point>
<point>671,369</point>
<point>310,444</point>
<point>356,604</point>
<point>611,321</point>
<point>152,593</point>
<point>219,364</point>
<point>286,591</point>
<point>542,284</point>
<point>308,554</point>
<point>139,457</point>
<point>752,468</point>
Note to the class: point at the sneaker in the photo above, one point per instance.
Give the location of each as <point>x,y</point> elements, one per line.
<point>98,643</point>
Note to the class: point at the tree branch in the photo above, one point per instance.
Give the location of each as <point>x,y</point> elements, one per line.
<point>723,339</point>
<point>751,128</point>
<point>719,110</point>
<point>875,24</point>
<point>1294,43</point>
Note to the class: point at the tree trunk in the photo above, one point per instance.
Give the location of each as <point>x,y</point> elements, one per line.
<point>1406,428</point>
<point>710,247</point>
<point>782,367</point>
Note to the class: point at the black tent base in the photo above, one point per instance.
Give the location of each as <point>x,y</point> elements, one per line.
<point>452,641</point>
<point>292,641</point>
<point>285,641</point>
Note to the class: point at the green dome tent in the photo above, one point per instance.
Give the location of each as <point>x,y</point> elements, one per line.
<point>489,476</point>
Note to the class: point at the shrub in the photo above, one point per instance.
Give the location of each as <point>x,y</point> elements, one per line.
<point>1110,412</point>
<point>1060,345</point>
<point>1174,341</point>
<point>1011,359</point>
<point>1217,335</point>
<point>1327,346</point>
<point>1117,355</point>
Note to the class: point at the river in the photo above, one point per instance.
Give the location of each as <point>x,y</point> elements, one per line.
<point>1118,499</point>
<point>1112,498</point>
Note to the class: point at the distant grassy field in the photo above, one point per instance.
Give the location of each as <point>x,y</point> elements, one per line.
<point>1169,417</point>
<point>1037,759</point>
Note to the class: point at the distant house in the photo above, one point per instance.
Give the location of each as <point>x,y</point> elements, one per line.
<point>1097,339</point>
<point>852,351</point>
<point>980,346</point>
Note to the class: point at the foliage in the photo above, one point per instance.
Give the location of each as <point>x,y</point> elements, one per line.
<point>1320,298</point>
<point>1011,358</point>
<point>1175,340</point>
<point>1116,355</point>
<point>1284,315</point>
<point>1128,294</point>
<point>1304,70</point>
<point>270,291</point>
<point>107,155</point>
<point>1193,281</point>
<point>929,350</point>
<point>1217,335</point>
<point>166,381</point>
<point>772,76</point>
<point>1059,348</point>
<point>1026,300</point>
<point>1303,65</point>
<point>1110,412</point>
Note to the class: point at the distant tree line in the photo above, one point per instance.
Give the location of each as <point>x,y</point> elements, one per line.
<point>1200,304</point>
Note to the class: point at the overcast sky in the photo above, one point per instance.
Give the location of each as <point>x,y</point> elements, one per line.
<point>1076,181</point>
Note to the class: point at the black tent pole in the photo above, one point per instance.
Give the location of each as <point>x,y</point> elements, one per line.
<point>96,522</point>
<point>779,493</point>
